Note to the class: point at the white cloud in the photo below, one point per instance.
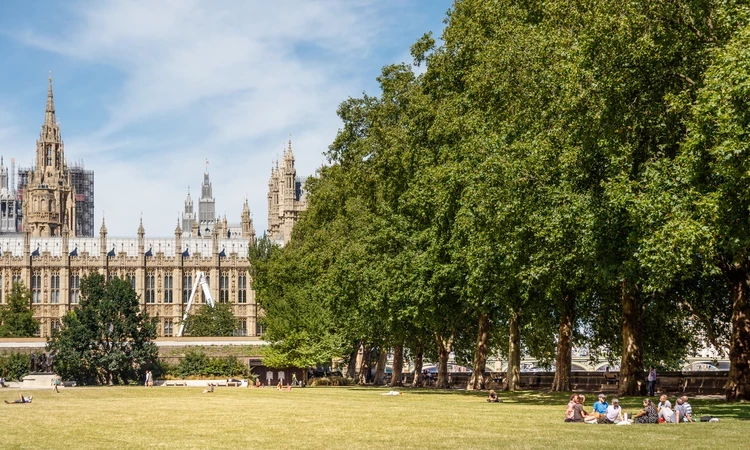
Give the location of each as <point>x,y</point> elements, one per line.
<point>221,80</point>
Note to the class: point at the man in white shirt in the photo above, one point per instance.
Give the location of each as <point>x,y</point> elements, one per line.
<point>667,414</point>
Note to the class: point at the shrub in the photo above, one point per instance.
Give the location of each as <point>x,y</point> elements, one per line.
<point>329,381</point>
<point>196,363</point>
<point>15,366</point>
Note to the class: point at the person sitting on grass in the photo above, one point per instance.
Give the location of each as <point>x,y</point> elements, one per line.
<point>21,399</point>
<point>258,383</point>
<point>571,405</point>
<point>210,390</point>
<point>280,386</point>
<point>589,418</point>
<point>663,402</point>
<point>600,407</point>
<point>493,397</point>
<point>648,414</point>
<point>666,415</point>
<point>614,412</point>
<point>579,414</point>
<point>683,410</point>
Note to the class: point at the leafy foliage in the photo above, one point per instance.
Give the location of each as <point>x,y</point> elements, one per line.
<point>106,339</point>
<point>218,320</point>
<point>568,171</point>
<point>16,317</point>
<point>196,363</point>
<point>14,366</point>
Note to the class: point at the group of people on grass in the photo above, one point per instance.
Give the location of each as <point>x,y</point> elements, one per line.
<point>603,412</point>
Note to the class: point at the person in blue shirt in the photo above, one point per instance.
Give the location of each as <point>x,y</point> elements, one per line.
<point>600,407</point>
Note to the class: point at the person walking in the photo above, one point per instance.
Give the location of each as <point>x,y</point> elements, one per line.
<point>148,379</point>
<point>651,380</point>
<point>56,384</point>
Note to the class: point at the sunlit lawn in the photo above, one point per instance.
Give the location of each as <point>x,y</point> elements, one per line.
<point>312,418</point>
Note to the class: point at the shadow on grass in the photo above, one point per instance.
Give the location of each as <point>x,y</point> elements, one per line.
<point>701,407</point>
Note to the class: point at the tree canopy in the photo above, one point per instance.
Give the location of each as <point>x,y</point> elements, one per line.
<point>217,320</point>
<point>106,339</point>
<point>16,317</point>
<point>560,172</point>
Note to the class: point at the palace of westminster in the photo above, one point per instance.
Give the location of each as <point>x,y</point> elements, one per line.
<point>47,241</point>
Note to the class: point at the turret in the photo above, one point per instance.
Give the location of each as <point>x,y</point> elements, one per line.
<point>65,239</point>
<point>141,238</point>
<point>178,239</point>
<point>103,241</point>
<point>248,231</point>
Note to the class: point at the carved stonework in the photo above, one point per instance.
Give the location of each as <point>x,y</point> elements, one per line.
<point>49,198</point>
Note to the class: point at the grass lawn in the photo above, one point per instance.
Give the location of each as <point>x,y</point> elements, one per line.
<point>313,418</point>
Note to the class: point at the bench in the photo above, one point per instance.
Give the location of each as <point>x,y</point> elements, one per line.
<point>175,383</point>
<point>611,378</point>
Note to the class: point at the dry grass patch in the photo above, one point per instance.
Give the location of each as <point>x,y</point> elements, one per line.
<point>312,418</point>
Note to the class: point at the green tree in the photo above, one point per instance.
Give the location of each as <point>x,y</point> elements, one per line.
<point>16,317</point>
<point>106,339</point>
<point>712,221</point>
<point>217,320</point>
<point>14,366</point>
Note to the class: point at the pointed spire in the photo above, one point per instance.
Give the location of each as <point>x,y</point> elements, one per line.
<point>103,229</point>
<point>178,230</point>
<point>141,231</point>
<point>49,117</point>
<point>245,207</point>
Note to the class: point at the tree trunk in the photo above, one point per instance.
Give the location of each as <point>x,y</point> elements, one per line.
<point>351,368</point>
<point>398,365</point>
<point>418,381</point>
<point>738,381</point>
<point>364,365</point>
<point>561,383</point>
<point>480,354</point>
<point>380,371</point>
<point>514,354</point>
<point>631,365</point>
<point>444,350</point>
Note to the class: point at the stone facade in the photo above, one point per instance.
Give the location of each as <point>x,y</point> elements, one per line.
<point>286,198</point>
<point>161,272</point>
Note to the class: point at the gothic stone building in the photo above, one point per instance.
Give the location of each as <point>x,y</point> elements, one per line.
<point>286,198</point>
<point>161,270</point>
<point>50,259</point>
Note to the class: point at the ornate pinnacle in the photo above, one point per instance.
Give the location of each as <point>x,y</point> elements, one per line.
<point>49,118</point>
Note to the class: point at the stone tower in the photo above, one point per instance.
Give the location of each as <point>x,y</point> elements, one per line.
<point>188,217</point>
<point>49,198</point>
<point>246,221</point>
<point>206,206</point>
<point>286,198</point>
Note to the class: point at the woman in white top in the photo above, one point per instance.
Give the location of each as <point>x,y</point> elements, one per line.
<point>614,412</point>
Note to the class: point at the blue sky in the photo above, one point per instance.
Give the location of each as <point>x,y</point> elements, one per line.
<point>147,90</point>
